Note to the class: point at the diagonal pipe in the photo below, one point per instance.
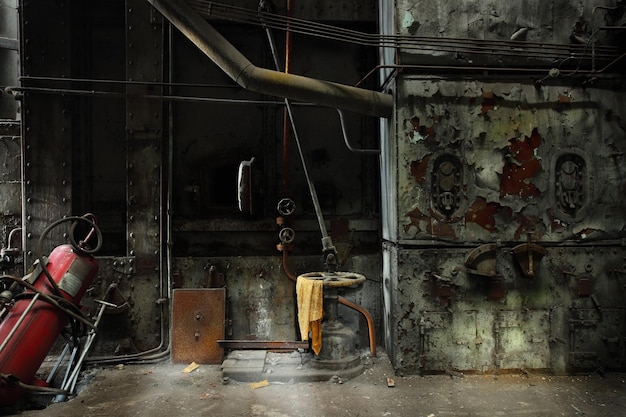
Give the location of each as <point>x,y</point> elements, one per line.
<point>265,81</point>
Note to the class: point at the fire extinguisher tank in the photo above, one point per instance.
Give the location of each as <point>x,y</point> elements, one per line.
<point>31,337</point>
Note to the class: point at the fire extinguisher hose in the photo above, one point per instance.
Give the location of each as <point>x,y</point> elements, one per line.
<point>57,301</point>
<point>78,329</point>
<point>80,246</point>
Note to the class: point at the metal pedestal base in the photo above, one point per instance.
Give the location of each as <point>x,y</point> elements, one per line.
<point>338,352</point>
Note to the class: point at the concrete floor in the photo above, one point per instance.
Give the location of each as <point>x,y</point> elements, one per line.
<point>163,390</point>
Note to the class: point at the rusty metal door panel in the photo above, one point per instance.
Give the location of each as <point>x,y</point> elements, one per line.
<point>597,338</point>
<point>522,339</point>
<point>465,343</point>
<point>197,325</point>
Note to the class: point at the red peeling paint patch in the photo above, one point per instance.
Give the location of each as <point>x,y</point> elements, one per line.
<point>528,224</point>
<point>555,224</point>
<point>521,167</point>
<point>584,234</point>
<point>489,102</point>
<point>415,121</point>
<point>415,216</point>
<point>423,130</point>
<point>564,99</point>
<point>483,214</point>
<point>435,227</point>
<point>418,169</point>
<point>440,229</point>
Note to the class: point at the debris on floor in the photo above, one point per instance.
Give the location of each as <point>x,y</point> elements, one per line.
<point>260,384</point>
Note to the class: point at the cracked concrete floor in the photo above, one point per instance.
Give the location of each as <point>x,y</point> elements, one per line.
<point>163,390</point>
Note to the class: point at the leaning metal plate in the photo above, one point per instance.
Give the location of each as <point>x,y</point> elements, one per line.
<point>197,325</point>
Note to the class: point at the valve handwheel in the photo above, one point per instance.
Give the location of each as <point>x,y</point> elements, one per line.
<point>336,279</point>
<point>286,235</point>
<point>286,207</point>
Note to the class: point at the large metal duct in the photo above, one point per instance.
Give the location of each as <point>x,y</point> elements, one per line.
<point>265,81</point>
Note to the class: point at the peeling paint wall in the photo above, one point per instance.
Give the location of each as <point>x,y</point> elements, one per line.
<point>527,184</point>
<point>512,159</point>
<point>556,22</point>
<point>507,247</point>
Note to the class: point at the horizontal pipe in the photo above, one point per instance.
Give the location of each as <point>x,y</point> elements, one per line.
<point>265,81</point>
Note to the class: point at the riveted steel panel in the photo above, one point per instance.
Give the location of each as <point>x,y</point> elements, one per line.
<point>46,124</point>
<point>197,325</point>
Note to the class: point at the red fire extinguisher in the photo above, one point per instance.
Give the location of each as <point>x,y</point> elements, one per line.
<point>39,315</point>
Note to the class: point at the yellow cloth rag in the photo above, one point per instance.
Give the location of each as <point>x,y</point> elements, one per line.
<point>310,296</point>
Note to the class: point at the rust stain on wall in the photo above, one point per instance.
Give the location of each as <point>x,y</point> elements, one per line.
<point>521,167</point>
<point>415,216</point>
<point>418,169</point>
<point>423,131</point>
<point>489,102</point>
<point>433,226</point>
<point>555,224</point>
<point>586,232</point>
<point>440,229</point>
<point>483,214</point>
<point>529,224</point>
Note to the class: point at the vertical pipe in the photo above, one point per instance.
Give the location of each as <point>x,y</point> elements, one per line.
<point>368,318</point>
<point>170,176</point>
<point>288,42</point>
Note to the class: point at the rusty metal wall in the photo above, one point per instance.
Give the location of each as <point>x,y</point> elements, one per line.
<point>46,125</point>
<point>503,235</point>
<point>505,246</point>
<point>160,174</point>
<point>510,249</point>
<point>568,318</point>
